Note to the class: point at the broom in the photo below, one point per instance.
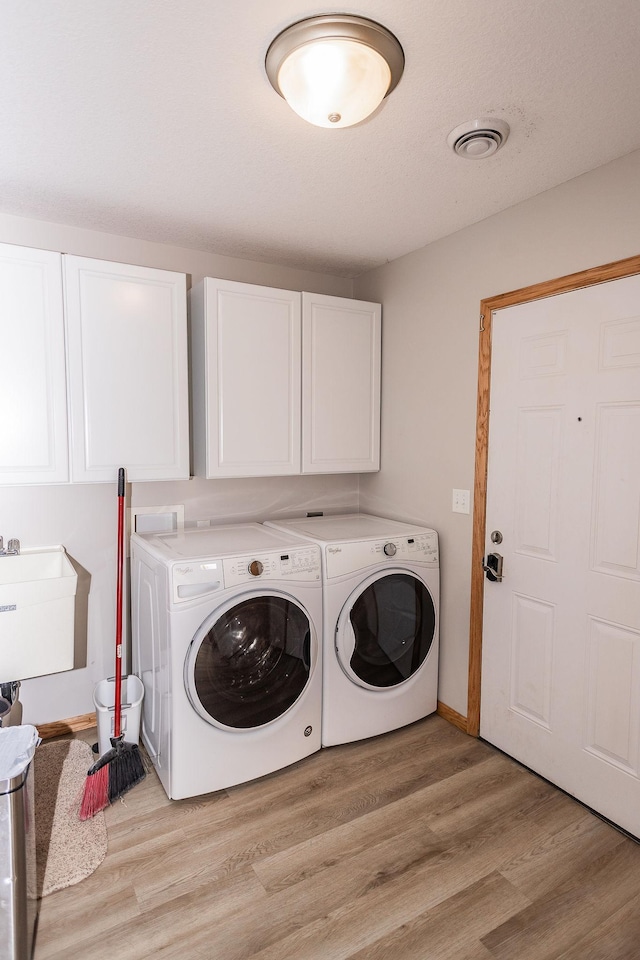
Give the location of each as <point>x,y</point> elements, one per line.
<point>121,767</point>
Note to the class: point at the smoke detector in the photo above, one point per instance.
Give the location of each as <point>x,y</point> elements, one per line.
<point>477,139</point>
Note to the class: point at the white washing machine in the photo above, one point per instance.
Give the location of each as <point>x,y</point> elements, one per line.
<point>227,639</point>
<point>381,599</point>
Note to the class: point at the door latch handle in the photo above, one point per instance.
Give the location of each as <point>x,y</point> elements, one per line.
<point>493,567</point>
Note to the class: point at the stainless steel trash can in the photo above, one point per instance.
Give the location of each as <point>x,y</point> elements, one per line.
<point>18,894</point>
<point>10,706</point>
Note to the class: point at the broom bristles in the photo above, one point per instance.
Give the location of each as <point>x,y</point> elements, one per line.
<point>125,770</point>
<point>96,793</point>
<point>120,769</point>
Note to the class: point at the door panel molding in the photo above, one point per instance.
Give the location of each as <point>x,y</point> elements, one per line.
<point>550,288</point>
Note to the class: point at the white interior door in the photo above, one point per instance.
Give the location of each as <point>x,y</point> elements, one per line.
<point>561,632</point>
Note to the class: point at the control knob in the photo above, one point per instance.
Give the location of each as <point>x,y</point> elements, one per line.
<point>255,568</point>
<point>390,549</point>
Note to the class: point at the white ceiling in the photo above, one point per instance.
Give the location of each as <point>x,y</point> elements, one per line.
<point>155,119</point>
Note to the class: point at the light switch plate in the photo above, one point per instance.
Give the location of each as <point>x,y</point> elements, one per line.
<point>461,501</point>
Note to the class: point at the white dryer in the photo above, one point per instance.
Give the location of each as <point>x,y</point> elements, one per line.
<point>227,628</point>
<point>381,597</point>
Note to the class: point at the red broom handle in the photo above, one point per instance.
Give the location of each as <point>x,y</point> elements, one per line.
<point>120,571</point>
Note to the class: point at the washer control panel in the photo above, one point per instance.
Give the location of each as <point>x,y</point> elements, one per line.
<point>298,563</point>
<point>205,577</point>
<point>343,558</point>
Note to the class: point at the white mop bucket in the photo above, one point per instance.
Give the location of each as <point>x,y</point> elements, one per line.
<point>104,698</point>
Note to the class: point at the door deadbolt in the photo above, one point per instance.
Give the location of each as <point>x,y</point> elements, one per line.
<point>496,537</point>
<point>493,567</point>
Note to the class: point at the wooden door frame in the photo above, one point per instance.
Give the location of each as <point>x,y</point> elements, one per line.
<point>574,281</point>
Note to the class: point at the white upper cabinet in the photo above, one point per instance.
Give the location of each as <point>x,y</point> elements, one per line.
<point>94,370</point>
<point>276,394</point>
<point>127,371</point>
<point>340,385</point>
<point>33,405</point>
<point>246,379</point>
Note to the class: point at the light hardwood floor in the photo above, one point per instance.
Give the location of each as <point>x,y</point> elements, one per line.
<point>423,844</point>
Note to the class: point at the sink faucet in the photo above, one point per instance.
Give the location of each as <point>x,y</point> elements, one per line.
<point>13,548</point>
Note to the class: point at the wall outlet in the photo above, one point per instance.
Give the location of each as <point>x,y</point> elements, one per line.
<point>461,501</point>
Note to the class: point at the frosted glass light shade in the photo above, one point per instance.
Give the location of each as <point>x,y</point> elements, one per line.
<point>334,71</point>
<point>334,82</point>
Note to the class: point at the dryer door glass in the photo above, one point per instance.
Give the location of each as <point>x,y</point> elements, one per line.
<point>253,663</point>
<point>394,622</point>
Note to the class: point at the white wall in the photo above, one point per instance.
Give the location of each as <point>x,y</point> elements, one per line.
<point>430,319</point>
<point>430,342</point>
<point>106,246</point>
<point>83,516</point>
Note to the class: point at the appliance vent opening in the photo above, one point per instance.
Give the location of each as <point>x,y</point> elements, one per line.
<point>477,139</point>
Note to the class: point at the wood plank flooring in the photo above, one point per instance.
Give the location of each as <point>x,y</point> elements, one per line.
<point>423,844</point>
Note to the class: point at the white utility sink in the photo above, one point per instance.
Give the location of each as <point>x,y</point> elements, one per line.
<point>45,563</point>
<point>37,603</point>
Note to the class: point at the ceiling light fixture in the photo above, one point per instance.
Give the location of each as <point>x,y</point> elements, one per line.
<point>335,70</point>
<point>478,138</point>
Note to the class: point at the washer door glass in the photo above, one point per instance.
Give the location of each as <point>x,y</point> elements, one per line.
<point>252,664</point>
<point>386,632</point>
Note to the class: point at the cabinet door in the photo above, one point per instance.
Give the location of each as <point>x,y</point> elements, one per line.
<point>33,422</point>
<point>127,349</point>
<point>341,385</point>
<point>246,377</point>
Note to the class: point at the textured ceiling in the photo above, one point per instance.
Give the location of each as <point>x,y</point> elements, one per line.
<point>155,119</point>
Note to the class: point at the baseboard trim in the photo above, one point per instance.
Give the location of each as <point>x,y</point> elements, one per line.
<point>60,728</point>
<point>448,713</point>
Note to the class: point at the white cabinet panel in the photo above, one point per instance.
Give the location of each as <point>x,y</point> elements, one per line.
<point>246,379</point>
<point>283,382</point>
<point>341,385</point>
<point>127,353</point>
<point>33,420</point>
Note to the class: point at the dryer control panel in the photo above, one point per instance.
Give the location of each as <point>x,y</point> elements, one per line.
<point>203,577</point>
<point>344,558</point>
